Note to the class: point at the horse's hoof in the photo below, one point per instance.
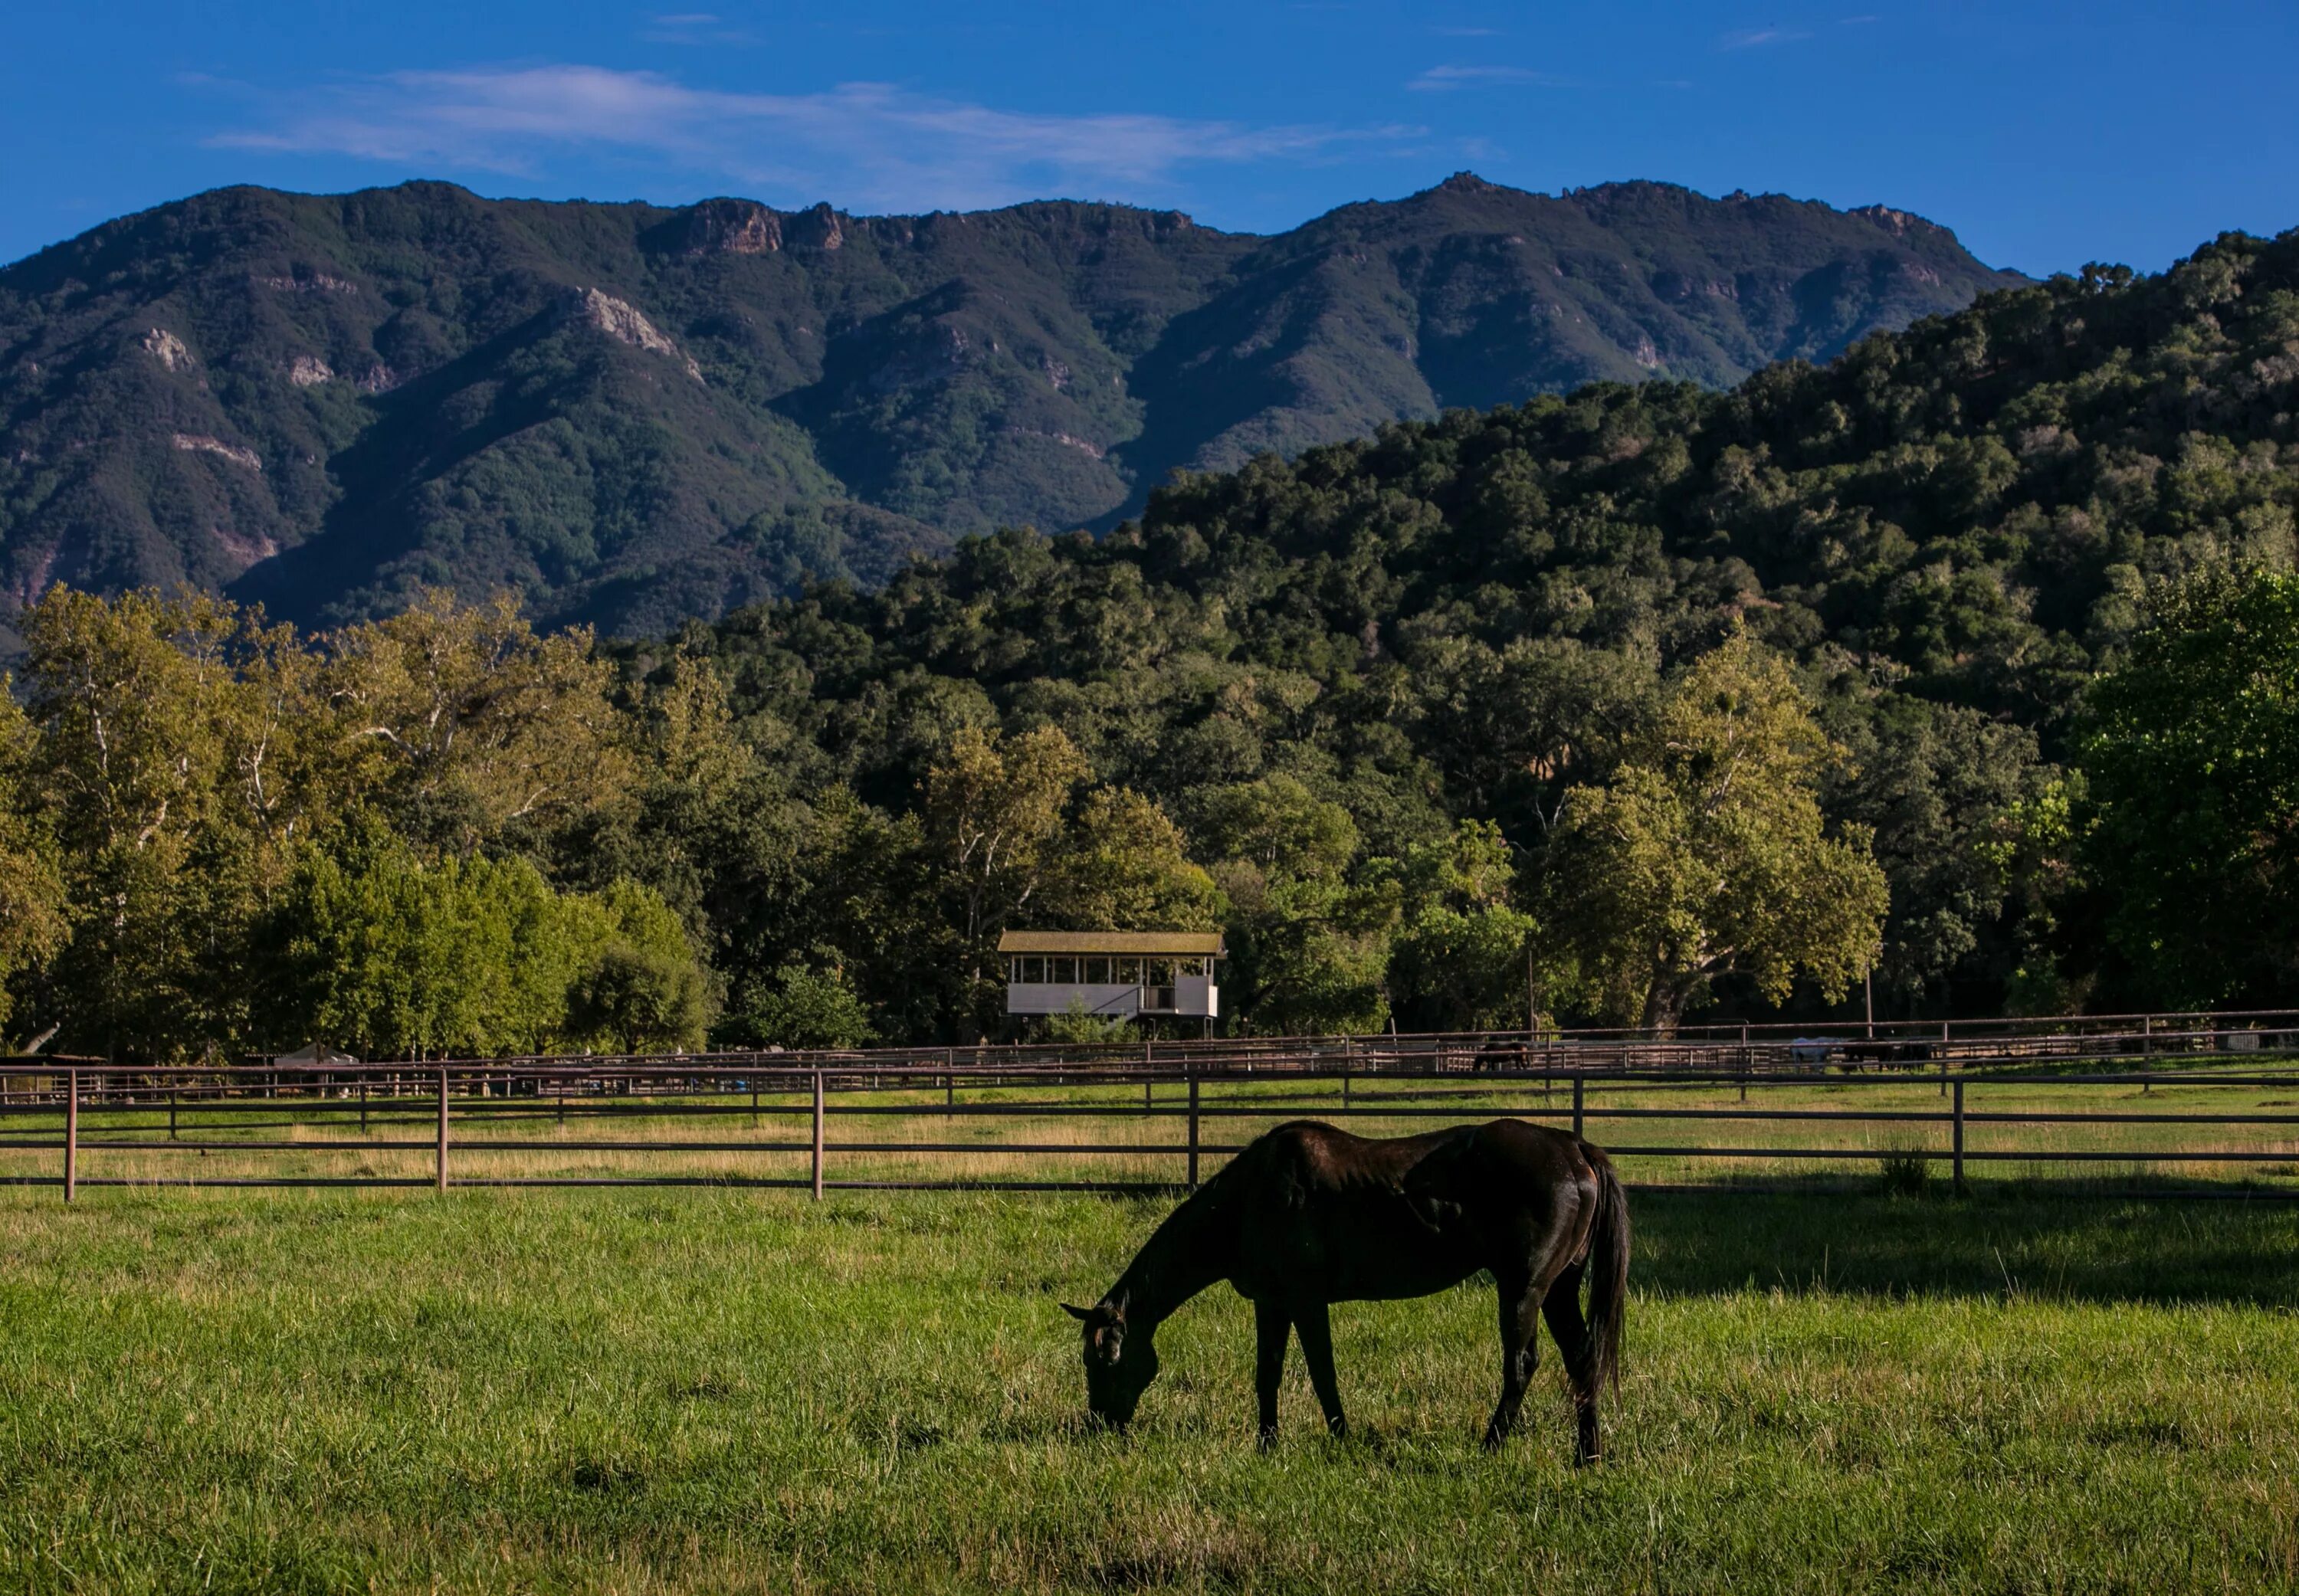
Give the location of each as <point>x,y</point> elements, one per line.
<point>1266,1441</point>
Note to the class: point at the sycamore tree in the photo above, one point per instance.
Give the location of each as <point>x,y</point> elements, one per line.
<point>2190,750</point>
<point>460,721</point>
<point>1706,853</point>
<point>136,716</point>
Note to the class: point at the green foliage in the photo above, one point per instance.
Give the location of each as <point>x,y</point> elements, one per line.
<point>32,924</point>
<point>1463,957</point>
<point>801,1007</point>
<point>1308,943</point>
<point>1706,853</point>
<point>1316,703</point>
<point>1074,1024</point>
<point>388,956</point>
<point>2191,753</point>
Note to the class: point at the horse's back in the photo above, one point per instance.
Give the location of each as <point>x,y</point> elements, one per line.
<point>1326,1214</point>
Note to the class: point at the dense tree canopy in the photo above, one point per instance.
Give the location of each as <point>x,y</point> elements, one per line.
<point>1997,599</point>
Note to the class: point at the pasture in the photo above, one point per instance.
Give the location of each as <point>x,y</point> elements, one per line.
<point>707,1390</point>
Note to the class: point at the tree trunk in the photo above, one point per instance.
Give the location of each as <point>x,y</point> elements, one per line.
<point>1664,1005</point>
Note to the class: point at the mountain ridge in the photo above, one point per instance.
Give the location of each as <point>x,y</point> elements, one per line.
<point>635,413</point>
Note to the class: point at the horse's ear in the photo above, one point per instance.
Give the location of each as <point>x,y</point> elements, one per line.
<point>1074,1311</point>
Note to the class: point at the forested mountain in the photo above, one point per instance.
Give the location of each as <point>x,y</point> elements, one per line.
<point>1950,530</point>
<point>633,414</point>
<point>1972,655</point>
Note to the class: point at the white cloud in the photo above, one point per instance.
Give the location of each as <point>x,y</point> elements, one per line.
<point>1440,79</point>
<point>867,144</point>
<point>694,27</point>
<point>1749,38</point>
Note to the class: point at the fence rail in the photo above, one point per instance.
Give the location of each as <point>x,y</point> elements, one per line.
<point>2203,1104</point>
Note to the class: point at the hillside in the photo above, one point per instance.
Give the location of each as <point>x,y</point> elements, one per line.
<point>633,414</point>
<point>1950,529</point>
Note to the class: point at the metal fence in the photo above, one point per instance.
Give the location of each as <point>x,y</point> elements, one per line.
<point>2203,1101</point>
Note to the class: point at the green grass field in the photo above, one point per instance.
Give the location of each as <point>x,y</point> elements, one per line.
<point>706,1391</point>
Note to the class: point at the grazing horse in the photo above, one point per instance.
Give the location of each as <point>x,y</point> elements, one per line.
<point>1308,1216</point>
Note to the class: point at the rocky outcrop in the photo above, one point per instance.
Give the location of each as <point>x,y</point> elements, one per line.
<point>309,371</point>
<point>820,228</point>
<point>732,227</point>
<point>1065,439</point>
<point>318,283</point>
<point>243,549</point>
<point>621,320</point>
<point>169,350</point>
<point>199,443</point>
<point>378,378</point>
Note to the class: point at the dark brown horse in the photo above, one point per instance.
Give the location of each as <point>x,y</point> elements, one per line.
<point>1308,1216</point>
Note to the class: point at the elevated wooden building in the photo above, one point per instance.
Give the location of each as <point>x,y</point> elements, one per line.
<point>1126,973</point>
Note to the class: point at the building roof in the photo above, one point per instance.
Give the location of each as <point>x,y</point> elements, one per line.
<point>1152,943</point>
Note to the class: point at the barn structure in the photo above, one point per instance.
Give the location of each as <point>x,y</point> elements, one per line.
<point>1148,974</point>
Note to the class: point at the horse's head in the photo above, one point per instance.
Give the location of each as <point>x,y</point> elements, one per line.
<point>1118,1367</point>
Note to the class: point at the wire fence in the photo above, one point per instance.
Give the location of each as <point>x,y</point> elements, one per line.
<point>2188,1102</point>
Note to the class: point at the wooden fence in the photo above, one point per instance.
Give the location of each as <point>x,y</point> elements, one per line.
<point>2205,1103</point>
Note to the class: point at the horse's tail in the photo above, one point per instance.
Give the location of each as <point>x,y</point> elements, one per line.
<point>1608,1272</point>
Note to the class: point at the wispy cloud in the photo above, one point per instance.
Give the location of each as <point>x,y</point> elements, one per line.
<point>867,144</point>
<point>1750,39</point>
<point>1441,79</point>
<point>694,27</point>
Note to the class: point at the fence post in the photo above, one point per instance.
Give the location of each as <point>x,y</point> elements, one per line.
<point>1194,1127</point>
<point>818,1135</point>
<point>71,1134</point>
<point>1579,1080</point>
<point>443,1129</point>
<point>1959,1139</point>
<point>171,1112</point>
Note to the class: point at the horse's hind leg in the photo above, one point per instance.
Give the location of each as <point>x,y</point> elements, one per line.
<point>1270,1327</point>
<point>1317,1330</point>
<point>1519,1306</point>
<point>1577,1347</point>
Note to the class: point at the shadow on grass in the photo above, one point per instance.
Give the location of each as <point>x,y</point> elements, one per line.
<point>2071,1242</point>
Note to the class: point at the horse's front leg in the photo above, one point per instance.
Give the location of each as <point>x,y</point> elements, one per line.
<point>1270,1327</point>
<point>1318,1352</point>
<point>1520,1312</point>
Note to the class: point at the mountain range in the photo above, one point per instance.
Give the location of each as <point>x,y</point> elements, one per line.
<point>634,414</point>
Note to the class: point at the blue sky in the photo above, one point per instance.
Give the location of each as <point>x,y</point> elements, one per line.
<point>2046,135</point>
